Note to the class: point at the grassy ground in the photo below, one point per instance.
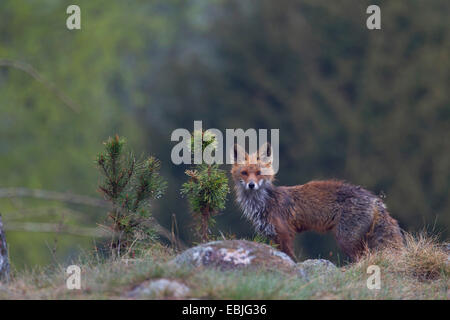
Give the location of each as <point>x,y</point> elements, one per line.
<point>420,271</point>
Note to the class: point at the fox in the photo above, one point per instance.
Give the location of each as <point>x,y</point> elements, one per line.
<point>358,219</point>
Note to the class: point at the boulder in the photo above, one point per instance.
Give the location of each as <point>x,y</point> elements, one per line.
<point>315,267</point>
<point>240,254</point>
<point>161,288</point>
<point>4,260</point>
<point>446,247</point>
<point>235,254</point>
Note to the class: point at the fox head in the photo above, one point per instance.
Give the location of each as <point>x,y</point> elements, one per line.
<point>252,172</point>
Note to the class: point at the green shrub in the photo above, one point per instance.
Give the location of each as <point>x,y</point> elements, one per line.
<point>129,184</point>
<point>206,190</point>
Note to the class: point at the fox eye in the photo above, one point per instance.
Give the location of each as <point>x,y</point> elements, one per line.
<point>244,173</point>
<point>258,173</point>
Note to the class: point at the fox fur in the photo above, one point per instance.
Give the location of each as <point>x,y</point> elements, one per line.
<point>358,219</point>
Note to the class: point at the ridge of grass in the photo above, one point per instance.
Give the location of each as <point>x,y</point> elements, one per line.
<point>421,270</point>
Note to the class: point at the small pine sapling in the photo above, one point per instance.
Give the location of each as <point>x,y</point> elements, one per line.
<point>129,184</point>
<point>206,190</point>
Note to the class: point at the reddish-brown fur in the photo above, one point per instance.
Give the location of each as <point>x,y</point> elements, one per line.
<point>357,218</point>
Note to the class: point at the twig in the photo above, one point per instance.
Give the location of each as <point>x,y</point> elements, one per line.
<point>175,232</point>
<point>53,195</point>
<point>74,199</point>
<point>55,228</point>
<point>37,76</point>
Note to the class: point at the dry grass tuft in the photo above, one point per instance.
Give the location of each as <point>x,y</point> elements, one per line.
<point>422,257</point>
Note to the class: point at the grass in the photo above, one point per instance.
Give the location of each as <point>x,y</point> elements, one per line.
<point>419,271</point>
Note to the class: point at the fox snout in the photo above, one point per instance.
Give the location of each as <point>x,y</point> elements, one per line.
<point>252,185</point>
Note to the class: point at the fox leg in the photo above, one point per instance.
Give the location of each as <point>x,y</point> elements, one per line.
<point>385,233</point>
<point>286,244</point>
<point>351,243</point>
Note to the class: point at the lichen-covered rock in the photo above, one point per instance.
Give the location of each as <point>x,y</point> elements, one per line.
<point>315,267</point>
<point>447,249</point>
<point>4,260</point>
<point>235,254</point>
<point>161,288</point>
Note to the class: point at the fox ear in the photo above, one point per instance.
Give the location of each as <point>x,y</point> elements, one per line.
<point>238,154</point>
<point>265,153</point>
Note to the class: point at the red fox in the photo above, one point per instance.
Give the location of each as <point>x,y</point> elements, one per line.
<point>357,218</point>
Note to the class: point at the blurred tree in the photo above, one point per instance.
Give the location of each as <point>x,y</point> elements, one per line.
<point>46,144</point>
<point>371,107</point>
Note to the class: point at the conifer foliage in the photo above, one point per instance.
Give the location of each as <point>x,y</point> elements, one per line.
<point>129,184</point>
<point>206,190</point>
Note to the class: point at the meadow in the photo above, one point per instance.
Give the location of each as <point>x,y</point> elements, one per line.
<point>420,271</point>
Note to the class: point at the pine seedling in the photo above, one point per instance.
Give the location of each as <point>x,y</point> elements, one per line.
<point>130,185</point>
<point>206,190</point>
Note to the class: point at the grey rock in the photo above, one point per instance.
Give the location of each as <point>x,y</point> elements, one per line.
<point>315,267</point>
<point>4,260</point>
<point>447,249</point>
<point>159,289</point>
<point>239,254</point>
<point>235,254</point>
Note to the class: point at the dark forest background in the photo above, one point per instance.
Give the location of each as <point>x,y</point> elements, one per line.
<point>369,107</point>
